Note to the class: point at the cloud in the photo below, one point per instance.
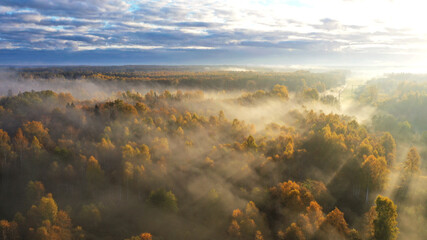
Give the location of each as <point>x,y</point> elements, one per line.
<point>252,26</point>
<point>330,24</point>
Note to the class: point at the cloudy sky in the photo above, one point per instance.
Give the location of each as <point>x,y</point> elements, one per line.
<point>268,32</point>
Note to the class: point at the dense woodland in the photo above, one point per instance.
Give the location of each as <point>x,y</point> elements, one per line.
<point>154,163</point>
<point>204,78</point>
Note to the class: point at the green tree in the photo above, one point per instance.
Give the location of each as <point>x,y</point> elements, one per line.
<point>89,216</point>
<point>164,200</point>
<point>34,191</point>
<point>250,143</point>
<point>385,224</point>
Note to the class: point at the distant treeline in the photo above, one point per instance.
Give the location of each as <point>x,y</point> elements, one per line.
<point>193,77</point>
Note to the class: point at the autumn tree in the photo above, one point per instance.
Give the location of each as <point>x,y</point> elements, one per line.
<point>280,91</point>
<point>5,147</point>
<point>9,230</point>
<point>63,226</point>
<point>293,232</point>
<point>37,129</point>
<point>45,220</point>
<point>311,94</point>
<point>142,236</point>
<point>234,229</point>
<point>411,165</point>
<point>368,223</point>
<point>136,154</point>
<point>247,224</point>
<point>36,148</point>
<point>365,149</point>
<point>5,151</point>
<point>258,235</point>
<point>409,172</point>
<point>20,143</point>
<point>291,195</point>
<point>312,219</point>
<point>334,227</point>
<point>376,173</point>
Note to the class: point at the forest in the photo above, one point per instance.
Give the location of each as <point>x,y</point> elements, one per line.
<point>170,152</point>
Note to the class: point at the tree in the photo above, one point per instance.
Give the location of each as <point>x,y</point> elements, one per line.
<point>312,219</point>
<point>94,173</point>
<point>376,173</point>
<point>9,230</point>
<point>5,151</point>
<point>247,224</point>
<point>4,146</point>
<point>164,200</point>
<point>63,225</point>
<point>258,235</point>
<point>146,236</point>
<point>365,149</point>
<point>293,232</point>
<point>411,165</point>
<point>20,144</point>
<point>334,226</point>
<point>291,195</point>
<point>48,208</point>
<point>36,147</point>
<point>137,155</point>
<point>280,91</point>
<point>368,223</point>
<point>234,229</point>
<point>142,236</point>
<point>385,224</point>
<point>89,216</point>
<point>250,143</point>
<point>105,145</point>
<point>34,191</point>
<point>311,94</point>
<point>387,141</point>
<point>36,129</point>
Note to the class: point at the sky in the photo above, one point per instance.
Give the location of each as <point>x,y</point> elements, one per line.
<point>264,32</point>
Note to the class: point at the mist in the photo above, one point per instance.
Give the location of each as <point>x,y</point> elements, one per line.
<point>215,160</point>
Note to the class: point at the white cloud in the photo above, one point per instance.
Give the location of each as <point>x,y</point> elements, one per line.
<point>304,25</point>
